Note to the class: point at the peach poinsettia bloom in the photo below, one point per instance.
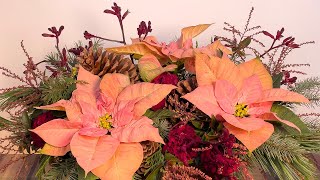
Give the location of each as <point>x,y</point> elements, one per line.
<point>104,124</point>
<point>180,50</point>
<point>241,96</point>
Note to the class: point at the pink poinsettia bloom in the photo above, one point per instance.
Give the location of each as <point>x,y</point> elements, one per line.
<point>180,50</point>
<point>241,96</point>
<point>104,124</point>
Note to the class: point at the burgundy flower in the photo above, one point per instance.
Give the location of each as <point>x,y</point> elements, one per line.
<point>39,120</point>
<point>164,78</point>
<point>181,141</point>
<point>221,161</point>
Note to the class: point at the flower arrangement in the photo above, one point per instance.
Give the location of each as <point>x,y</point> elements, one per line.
<point>152,110</point>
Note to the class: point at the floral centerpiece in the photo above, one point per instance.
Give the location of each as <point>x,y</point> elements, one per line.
<point>156,110</point>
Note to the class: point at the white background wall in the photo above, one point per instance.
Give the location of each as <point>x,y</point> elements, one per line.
<point>28,19</point>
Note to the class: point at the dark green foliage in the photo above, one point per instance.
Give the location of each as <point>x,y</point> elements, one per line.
<point>55,89</point>
<point>284,158</point>
<point>61,168</point>
<point>287,114</point>
<point>154,161</point>
<point>159,120</point>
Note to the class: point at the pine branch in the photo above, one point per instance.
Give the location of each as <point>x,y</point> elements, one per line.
<point>310,142</point>
<point>284,158</point>
<point>55,89</point>
<point>310,88</point>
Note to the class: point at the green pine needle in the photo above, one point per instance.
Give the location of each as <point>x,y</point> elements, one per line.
<point>310,88</point>
<point>284,158</point>
<point>55,89</point>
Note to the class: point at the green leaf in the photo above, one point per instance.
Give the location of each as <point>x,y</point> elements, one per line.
<point>44,160</point>
<point>159,114</point>
<point>4,122</point>
<point>153,161</point>
<point>26,121</point>
<point>154,175</point>
<point>287,114</point>
<point>197,124</point>
<point>160,120</point>
<point>244,43</point>
<point>81,175</point>
<point>277,78</point>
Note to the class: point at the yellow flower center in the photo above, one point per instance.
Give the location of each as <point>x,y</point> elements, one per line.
<point>105,121</point>
<point>74,71</point>
<point>241,110</point>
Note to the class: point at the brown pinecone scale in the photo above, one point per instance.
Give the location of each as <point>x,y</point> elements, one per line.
<point>149,147</point>
<point>184,110</point>
<point>100,62</point>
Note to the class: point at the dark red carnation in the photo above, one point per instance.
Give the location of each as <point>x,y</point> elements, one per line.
<point>164,78</point>
<point>38,121</point>
<point>181,141</point>
<point>221,161</point>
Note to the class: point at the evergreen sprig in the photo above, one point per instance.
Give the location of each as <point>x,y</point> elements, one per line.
<point>310,88</point>
<point>61,170</point>
<point>309,142</point>
<point>154,160</point>
<point>55,89</point>
<point>284,158</point>
<point>160,120</point>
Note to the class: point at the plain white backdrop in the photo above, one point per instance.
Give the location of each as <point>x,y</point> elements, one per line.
<point>27,20</point>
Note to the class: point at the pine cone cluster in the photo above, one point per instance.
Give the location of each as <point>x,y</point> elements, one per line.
<point>149,147</point>
<point>100,62</point>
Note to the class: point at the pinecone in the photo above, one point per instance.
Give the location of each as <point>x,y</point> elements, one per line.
<point>187,85</point>
<point>184,109</point>
<point>149,147</point>
<point>100,62</point>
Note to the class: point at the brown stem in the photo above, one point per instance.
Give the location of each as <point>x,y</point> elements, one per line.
<point>122,31</point>
<point>106,39</point>
<point>271,48</point>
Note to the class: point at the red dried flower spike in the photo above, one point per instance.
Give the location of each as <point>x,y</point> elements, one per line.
<point>55,33</point>
<point>287,80</point>
<point>116,10</point>
<point>88,35</point>
<point>143,29</point>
